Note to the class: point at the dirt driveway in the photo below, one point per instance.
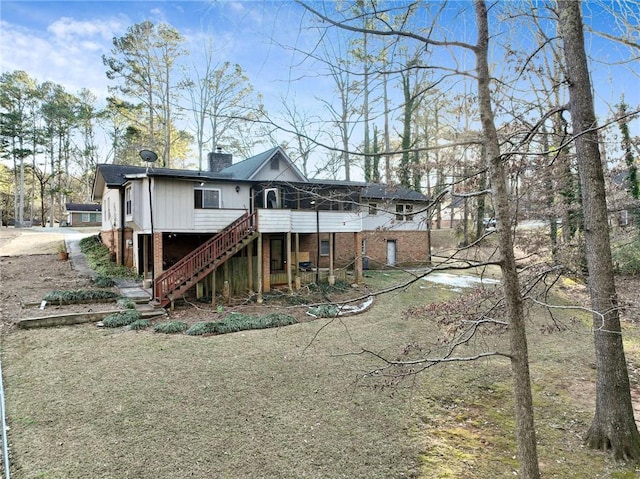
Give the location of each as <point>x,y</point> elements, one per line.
<point>27,241</point>
<point>29,268</point>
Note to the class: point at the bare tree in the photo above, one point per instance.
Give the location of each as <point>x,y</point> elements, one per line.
<point>222,102</point>
<point>518,354</point>
<point>613,427</point>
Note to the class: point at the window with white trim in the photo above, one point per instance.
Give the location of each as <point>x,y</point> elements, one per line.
<point>324,247</point>
<point>206,198</point>
<point>127,201</point>
<point>404,212</point>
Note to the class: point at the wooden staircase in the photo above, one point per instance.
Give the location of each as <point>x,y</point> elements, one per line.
<point>175,281</point>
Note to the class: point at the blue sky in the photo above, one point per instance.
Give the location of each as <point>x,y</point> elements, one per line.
<point>63,42</point>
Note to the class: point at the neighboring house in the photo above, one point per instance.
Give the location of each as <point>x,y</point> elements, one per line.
<point>395,226</point>
<point>620,204</point>
<point>82,214</point>
<point>245,226</point>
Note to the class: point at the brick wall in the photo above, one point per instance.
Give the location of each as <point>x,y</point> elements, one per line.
<point>412,247</point>
<point>112,239</point>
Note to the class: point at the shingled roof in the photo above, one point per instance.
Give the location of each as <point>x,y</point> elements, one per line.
<point>247,169</point>
<point>83,207</point>
<point>391,192</point>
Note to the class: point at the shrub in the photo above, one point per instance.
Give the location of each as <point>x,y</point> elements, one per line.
<point>203,327</point>
<point>79,296</point>
<point>626,258</point>
<point>324,311</point>
<point>103,281</point>
<point>274,320</point>
<point>241,322</point>
<point>99,259</point>
<point>121,318</point>
<point>170,327</point>
<point>140,324</point>
<point>126,303</point>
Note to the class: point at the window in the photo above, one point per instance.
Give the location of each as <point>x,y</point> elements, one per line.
<point>85,218</point>
<point>206,198</point>
<point>408,212</point>
<point>404,212</point>
<point>275,163</point>
<point>271,198</point>
<point>127,201</point>
<point>324,247</point>
<point>373,209</point>
<point>364,247</point>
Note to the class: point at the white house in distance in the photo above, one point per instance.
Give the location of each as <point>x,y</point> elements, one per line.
<point>252,225</point>
<point>83,214</point>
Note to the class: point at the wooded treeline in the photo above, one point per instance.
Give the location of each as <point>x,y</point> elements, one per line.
<point>398,113</point>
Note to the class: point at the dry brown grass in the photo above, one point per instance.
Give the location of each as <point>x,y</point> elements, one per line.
<point>290,403</point>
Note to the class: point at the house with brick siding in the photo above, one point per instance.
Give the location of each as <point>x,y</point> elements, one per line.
<point>396,222</point>
<point>247,226</point>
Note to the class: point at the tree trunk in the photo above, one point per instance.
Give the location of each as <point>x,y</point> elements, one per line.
<point>387,140</point>
<point>613,427</point>
<point>525,432</point>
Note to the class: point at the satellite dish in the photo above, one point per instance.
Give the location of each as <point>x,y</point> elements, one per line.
<point>148,156</point>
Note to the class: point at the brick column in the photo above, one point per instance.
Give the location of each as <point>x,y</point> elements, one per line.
<point>157,254</point>
<point>357,247</point>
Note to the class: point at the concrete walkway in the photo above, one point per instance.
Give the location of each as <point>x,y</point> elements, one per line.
<point>129,288</point>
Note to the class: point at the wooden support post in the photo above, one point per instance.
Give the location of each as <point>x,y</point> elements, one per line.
<point>226,291</point>
<point>332,277</point>
<point>145,256</point>
<point>213,287</point>
<point>297,265</point>
<point>259,267</point>
<point>357,249</point>
<point>250,266</point>
<point>289,263</point>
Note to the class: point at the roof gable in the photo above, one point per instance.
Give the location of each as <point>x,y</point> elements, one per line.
<point>258,167</point>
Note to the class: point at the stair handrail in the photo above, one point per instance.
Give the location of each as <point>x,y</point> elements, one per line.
<point>200,258</point>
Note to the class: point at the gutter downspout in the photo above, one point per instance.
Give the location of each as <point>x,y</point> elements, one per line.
<point>122,224</point>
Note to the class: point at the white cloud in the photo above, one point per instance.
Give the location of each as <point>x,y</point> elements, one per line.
<point>69,52</point>
<point>68,29</point>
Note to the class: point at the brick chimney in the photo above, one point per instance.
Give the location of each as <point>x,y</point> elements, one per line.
<point>218,161</point>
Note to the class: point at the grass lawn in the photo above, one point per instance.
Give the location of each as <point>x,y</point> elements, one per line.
<point>291,403</point>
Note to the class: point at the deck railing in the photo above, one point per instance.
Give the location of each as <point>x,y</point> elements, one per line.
<point>194,266</point>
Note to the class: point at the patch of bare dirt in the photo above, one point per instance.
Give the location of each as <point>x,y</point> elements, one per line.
<point>25,280</point>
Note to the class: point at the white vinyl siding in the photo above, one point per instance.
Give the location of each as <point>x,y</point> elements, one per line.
<point>215,220</point>
<point>296,221</point>
<point>172,205</point>
<point>386,220</point>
